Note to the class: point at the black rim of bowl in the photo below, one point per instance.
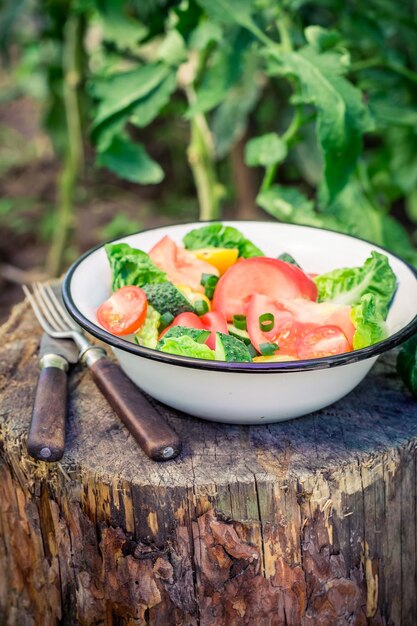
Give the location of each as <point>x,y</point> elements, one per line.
<point>222,366</point>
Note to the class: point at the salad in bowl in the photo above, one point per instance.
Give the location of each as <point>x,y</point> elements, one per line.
<point>244,322</point>
<point>220,297</point>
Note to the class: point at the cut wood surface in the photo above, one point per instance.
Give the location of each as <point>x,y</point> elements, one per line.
<point>310,522</point>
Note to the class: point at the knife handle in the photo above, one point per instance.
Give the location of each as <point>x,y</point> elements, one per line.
<point>46,439</point>
<point>147,426</point>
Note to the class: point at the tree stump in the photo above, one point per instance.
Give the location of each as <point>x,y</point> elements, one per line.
<point>309,522</point>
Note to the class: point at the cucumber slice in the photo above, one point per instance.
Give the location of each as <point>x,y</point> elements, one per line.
<point>243,335</point>
<point>231,349</point>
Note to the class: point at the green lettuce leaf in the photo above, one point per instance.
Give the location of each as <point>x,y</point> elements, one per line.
<point>186,346</point>
<point>348,285</point>
<point>407,364</point>
<point>219,236</point>
<point>131,266</point>
<point>147,335</point>
<point>369,320</point>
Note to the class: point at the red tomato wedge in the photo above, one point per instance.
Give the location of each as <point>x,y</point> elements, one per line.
<point>124,312</point>
<point>213,321</point>
<point>182,267</point>
<point>189,320</point>
<point>260,275</point>
<point>216,323</point>
<point>301,328</point>
<point>323,341</point>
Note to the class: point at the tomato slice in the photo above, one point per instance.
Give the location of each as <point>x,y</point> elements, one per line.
<point>323,341</point>
<point>322,313</point>
<point>124,312</point>
<point>286,331</point>
<point>302,329</point>
<point>216,323</point>
<point>182,267</point>
<point>189,320</point>
<point>260,275</point>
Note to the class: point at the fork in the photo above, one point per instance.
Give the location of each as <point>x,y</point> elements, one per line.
<point>147,426</point>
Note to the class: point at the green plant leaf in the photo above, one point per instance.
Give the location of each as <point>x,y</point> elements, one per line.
<point>119,91</point>
<point>360,215</point>
<point>222,72</point>
<point>149,107</point>
<point>119,226</point>
<point>397,239</point>
<point>140,113</point>
<point>118,27</point>
<point>266,150</point>
<point>206,33</point>
<point>229,120</point>
<point>130,161</point>
<point>231,12</point>
<point>403,159</point>
<point>288,204</point>
<point>173,50</point>
<point>407,364</point>
<point>342,117</point>
<point>321,38</point>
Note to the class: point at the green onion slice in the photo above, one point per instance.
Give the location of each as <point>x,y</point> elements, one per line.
<point>209,282</point>
<point>205,278</point>
<point>239,321</point>
<point>266,322</point>
<point>201,307</point>
<point>268,349</point>
<point>166,319</point>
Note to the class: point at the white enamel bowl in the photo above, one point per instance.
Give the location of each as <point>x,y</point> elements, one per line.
<point>246,393</point>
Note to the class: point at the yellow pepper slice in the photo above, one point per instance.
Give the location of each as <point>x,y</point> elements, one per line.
<point>193,296</point>
<point>222,258</point>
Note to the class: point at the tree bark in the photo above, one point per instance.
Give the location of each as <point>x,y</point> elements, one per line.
<point>310,522</point>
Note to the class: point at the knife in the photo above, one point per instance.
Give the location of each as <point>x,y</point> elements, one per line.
<point>46,438</point>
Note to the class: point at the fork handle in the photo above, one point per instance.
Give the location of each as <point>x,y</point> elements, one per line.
<point>147,426</point>
<point>46,438</point>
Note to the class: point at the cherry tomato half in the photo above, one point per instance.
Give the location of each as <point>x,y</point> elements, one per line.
<point>189,320</point>
<point>124,312</point>
<point>323,341</point>
<point>215,322</point>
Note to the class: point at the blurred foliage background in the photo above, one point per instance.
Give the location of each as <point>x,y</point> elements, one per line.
<point>118,115</point>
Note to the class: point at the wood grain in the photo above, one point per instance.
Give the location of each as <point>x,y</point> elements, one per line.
<point>310,522</point>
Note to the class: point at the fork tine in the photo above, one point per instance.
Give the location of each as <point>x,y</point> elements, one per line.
<point>59,307</point>
<point>33,303</point>
<point>48,310</point>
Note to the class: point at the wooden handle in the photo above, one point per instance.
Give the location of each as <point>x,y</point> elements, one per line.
<point>46,439</point>
<point>144,422</point>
